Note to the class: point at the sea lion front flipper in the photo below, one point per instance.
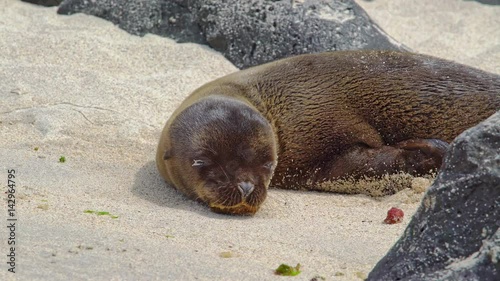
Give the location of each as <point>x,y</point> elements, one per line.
<point>415,157</point>
<point>422,156</point>
<point>424,153</point>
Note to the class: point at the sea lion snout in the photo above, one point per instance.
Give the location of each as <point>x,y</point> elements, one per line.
<point>241,193</point>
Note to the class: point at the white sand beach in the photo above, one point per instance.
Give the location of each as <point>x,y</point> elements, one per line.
<point>79,87</point>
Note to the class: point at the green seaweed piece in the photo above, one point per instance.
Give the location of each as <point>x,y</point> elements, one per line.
<point>62,159</point>
<point>287,270</point>
<point>100,213</point>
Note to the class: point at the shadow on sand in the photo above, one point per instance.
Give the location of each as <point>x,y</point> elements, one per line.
<point>150,186</point>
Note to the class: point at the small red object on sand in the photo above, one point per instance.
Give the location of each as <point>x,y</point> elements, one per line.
<point>394,215</point>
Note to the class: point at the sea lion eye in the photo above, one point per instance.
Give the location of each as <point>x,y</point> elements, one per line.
<point>198,163</point>
<point>268,165</point>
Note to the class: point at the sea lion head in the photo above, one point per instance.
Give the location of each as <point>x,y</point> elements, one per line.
<point>222,152</point>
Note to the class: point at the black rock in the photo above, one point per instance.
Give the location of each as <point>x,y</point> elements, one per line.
<point>488,2</point>
<point>137,17</point>
<point>46,3</point>
<point>262,31</point>
<point>455,233</point>
<point>246,32</point>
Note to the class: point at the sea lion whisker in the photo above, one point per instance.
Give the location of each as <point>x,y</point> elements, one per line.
<point>235,197</point>
<point>226,200</point>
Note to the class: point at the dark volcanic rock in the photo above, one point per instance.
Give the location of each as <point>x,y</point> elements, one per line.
<point>47,3</point>
<point>488,2</point>
<point>246,32</point>
<point>455,233</point>
<point>135,16</point>
<point>263,31</point>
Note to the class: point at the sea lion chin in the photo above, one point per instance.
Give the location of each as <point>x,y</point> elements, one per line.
<point>239,209</point>
<point>326,117</point>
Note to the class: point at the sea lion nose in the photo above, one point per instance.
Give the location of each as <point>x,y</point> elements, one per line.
<point>245,188</point>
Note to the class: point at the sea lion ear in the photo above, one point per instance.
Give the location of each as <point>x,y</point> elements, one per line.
<point>167,155</point>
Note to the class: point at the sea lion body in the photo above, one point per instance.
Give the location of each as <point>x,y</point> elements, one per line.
<point>344,114</point>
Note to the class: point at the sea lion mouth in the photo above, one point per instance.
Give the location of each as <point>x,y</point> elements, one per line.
<point>242,208</point>
<point>241,198</point>
<point>240,205</point>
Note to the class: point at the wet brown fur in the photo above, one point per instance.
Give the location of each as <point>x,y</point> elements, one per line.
<point>326,109</point>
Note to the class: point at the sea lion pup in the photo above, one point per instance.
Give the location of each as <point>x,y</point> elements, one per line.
<point>320,117</point>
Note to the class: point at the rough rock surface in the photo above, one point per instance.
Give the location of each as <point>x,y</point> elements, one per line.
<point>455,233</point>
<point>246,32</point>
<point>135,16</point>
<point>488,2</point>
<point>47,3</point>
